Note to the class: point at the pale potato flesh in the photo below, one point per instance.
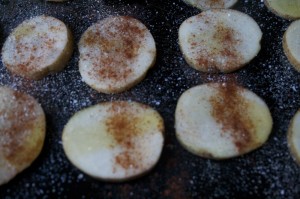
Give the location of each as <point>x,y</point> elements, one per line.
<point>211,4</point>
<point>221,121</point>
<point>22,132</point>
<point>288,9</point>
<point>37,47</point>
<point>219,40</point>
<point>115,54</point>
<point>291,44</point>
<point>114,141</point>
<point>294,137</point>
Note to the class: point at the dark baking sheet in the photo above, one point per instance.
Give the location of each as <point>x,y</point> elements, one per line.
<point>268,172</point>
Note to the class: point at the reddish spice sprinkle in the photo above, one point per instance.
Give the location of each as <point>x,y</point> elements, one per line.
<point>119,41</point>
<point>226,39</point>
<point>122,126</point>
<point>22,120</point>
<point>216,3</point>
<point>29,64</point>
<point>229,109</point>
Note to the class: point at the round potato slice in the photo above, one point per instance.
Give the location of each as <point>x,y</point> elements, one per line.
<point>291,44</point>
<point>37,47</point>
<point>22,132</point>
<point>211,4</point>
<point>114,141</point>
<point>115,54</point>
<point>221,121</point>
<point>294,137</point>
<point>219,40</point>
<point>288,9</point>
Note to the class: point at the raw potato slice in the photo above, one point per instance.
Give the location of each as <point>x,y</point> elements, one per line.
<point>115,54</point>
<point>114,141</point>
<point>288,9</point>
<point>221,121</point>
<point>22,132</point>
<point>291,44</point>
<point>219,40</point>
<point>37,47</point>
<point>211,4</point>
<point>294,137</point>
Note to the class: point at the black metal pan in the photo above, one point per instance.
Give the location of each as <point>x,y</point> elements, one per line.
<point>268,172</point>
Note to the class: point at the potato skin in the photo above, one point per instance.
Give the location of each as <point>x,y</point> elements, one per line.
<point>287,50</point>
<point>291,146</point>
<point>285,16</point>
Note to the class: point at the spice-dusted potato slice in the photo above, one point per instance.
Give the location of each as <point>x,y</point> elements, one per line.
<point>288,9</point>
<point>211,4</point>
<point>291,44</point>
<point>115,54</point>
<point>294,137</point>
<point>114,141</point>
<point>22,132</point>
<point>37,47</point>
<point>219,40</point>
<point>221,121</point>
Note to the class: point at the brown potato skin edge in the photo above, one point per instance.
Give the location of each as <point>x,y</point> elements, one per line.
<point>279,14</point>
<point>291,147</point>
<point>288,53</point>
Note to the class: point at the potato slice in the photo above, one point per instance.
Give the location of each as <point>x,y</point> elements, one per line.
<point>114,141</point>
<point>294,137</point>
<point>37,47</point>
<point>288,9</point>
<point>115,54</point>
<point>221,121</point>
<point>211,4</point>
<point>22,132</point>
<point>291,44</point>
<point>219,40</point>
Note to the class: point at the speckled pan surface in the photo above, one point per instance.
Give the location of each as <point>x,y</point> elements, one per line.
<point>268,172</point>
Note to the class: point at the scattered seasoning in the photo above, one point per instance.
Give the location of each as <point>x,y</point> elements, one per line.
<point>216,3</point>
<point>122,126</point>
<point>118,41</point>
<point>231,78</point>
<point>229,108</point>
<point>272,77</point>
<point>225,39</point>
<point>19,119</point>
<point>33,45</point>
